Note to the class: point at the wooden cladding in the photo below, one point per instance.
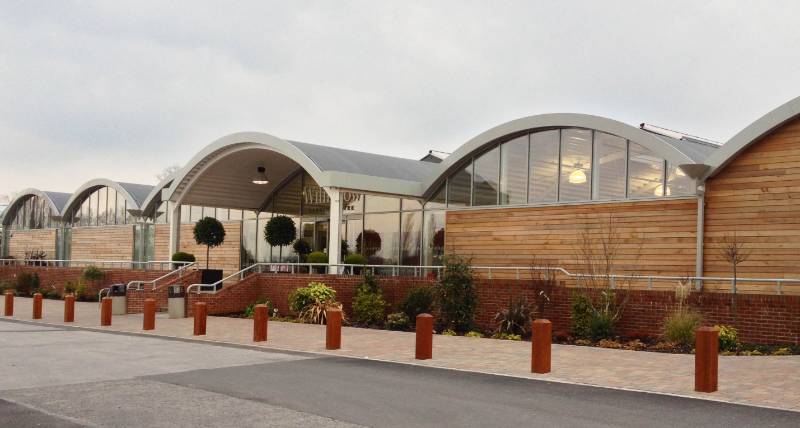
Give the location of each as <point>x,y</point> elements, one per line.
<point>654,237</point>
<point>102,243</point>
<point>22,241</point>
<point>757,197</point>
<point>225,257</point>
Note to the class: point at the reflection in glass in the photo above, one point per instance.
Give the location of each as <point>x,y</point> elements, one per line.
<point>609,166</point>
<point>380,239</point>
<point>458,187</point>
<point>485,178</point>
<point>544,166</point>
<point>433,239</point>
<point>576,165</point>
<point>249,245</point>
<point>678,183</point>
<point>411,231</point>
<point>438,200</point>
<point>514,171</point>
<point>646,174</point>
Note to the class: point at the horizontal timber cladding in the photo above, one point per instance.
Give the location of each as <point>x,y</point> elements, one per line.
<point>102,243</point>
<point>23,241</point>
<point>757,198</point>
<point>225,257</point>
<point>161,244</point>
<point>653,237</point>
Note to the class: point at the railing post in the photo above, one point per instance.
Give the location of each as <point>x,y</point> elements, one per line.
<point>37,306</point>
<point>149,312</point>
<point>69,308</point>
<point>200,311</point>
<point>424,330</point>
<point>541,346</point>
<point>105,312</point>
<point>706,359</point>
<point>9,307</point>
<point>260,323</point>
<point>333,329</point>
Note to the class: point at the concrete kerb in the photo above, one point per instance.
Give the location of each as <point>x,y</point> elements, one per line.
<point>266,347</point>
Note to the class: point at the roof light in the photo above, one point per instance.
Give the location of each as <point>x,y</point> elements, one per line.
<point>261,176</point>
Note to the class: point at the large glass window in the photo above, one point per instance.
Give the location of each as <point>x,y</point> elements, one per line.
<point>102,207</point>
<point>352,202</point>
<point>646,176</point>
<point>250,236</point>
<point>93,209</point>
<point>576,165</point>
<point>438,200</point>
<point>678,183</point>
<point>433,239</point>
<point>411,231</point>
<point>485,178</point>
<point>376,204</point>
<point>262,247</point>
<point>544,166</point>
<point>514,171</point>
<point>353,225</point>
<point>459,187</point>
<point>610,164</point>
<point>121,210</point>
<point>380,240</point>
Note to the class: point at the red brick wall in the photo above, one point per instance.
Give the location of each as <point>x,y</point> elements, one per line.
<point>57,277</point>
<point>135,300</point>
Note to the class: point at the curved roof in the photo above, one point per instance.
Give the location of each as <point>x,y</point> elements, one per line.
<point>751,134</point>
<point>134,193</point>
<point>153,199</point>
<point>56,200</point>
<point>674,153</point>
<point>328,166</point>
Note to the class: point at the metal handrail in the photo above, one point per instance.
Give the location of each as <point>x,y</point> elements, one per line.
<point>179,271</point>
<point>98,263</point>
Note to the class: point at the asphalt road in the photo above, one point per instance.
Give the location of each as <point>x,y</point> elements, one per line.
<point>67,377</point>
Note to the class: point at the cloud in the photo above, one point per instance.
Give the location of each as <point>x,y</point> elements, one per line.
<point>124,89</point>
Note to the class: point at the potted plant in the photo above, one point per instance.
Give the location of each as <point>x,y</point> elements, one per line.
<point>181,256</point>
<point>318,257</point>
<point>302,248</point>
<point>209,231</point>
<point>280,231</point>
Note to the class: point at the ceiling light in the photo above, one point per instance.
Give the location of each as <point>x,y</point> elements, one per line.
<point>261,176</point>
<point>577,176</point>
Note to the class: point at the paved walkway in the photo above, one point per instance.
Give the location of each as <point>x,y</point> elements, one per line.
<point>763,381</point>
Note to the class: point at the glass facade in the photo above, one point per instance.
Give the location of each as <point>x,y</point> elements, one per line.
<point>102,207</point>
<point>33,213</point>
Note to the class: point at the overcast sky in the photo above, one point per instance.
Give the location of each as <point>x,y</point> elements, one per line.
<point>122,90</point>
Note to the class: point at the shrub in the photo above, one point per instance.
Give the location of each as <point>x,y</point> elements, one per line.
<point>580,315</point>
<point>27,282</point>
<point>368,304</point>
<point>317,257</point>
<point>355,259</point>
<point>302,248</point>
<point>456,297</point>
<point>728,338</point>
<point>419,300</point>
<point>92,273</point>
<point>514,319</point>
<point>680,326</point>
<point>397,321</point>
<point>506,336</point>
<point>311,302</point>
<point>595,319</point>
<point>181,256</point>
<point>782,351</point>
<point>248,312</point>
<point>449,332</point>
<point>210,232</point>
<point>475,334</point>
<point>6,285</point>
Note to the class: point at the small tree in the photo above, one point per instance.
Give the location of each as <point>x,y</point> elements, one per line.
<point>209,231</point>
<point>302,248</point>
<point>455,292</point>
<point>280,231</point>
<point>734,253</point>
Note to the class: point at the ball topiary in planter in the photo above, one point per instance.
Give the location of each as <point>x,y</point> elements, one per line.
<point>302,248</point>
<point>181,256</point>
<point>355,259</point>
<point>318,257</point>
<point>280,231</point>
<point>209,231</point>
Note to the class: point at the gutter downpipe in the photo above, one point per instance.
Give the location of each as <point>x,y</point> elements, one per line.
<point>701,219</point>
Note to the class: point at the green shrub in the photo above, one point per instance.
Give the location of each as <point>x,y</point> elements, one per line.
<point>26,283</point>
<point>93,273</point>
<point>419,300</point>
<point>248,312</point>
<point>311,302</point>
<point>680,326</point>
<point>368,304</point>
<point>505,336</point>
<point>475,334</point>
<point>449,332</point>
<point>595,318</point>
<point>6,285</point>
<point>317,257</point>
<point>181,256</point>
<point>581,315</point>
<point>514,319</point>
<point>456,295</point>
<point>355,259</point>
<point>728,338</point>
<point>397,321</point>
<point>302,248</point>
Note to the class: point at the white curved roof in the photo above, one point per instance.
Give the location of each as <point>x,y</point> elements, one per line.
<point>56,200</point>
<point>135,194</point>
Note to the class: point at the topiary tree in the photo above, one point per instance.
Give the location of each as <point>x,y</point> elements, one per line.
<point>302,248</point>
<point>372,243</point>
<point>280,231</point>
<point>209,231</point>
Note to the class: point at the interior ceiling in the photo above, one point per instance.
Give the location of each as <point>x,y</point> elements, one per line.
<point>228,182</point>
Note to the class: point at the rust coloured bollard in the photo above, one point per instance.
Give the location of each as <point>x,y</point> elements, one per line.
<point>541,346</point>
<point>105,312</point>
<point>333,329</point>
<point>706,359</point>
<point>424,329</point>
<point>260,323</point>
<point>37,306</point>
<point>149,321</point>
<point>9,309</point>
<point>69,308</point>
<point>200,312</point>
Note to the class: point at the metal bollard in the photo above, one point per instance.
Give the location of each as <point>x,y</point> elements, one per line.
<point>706,359</point>
<point>9,309</point>
<point>37,306</point>
<point>105,312</point>
<point>541,344</point>
<point>333,329</point>
<point>149,312</point>
<point>69,308</point>
<point>260,323</point>
<point>424,350</point>
<point>200,311</point>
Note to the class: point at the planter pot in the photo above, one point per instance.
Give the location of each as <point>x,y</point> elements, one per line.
<point>176,301</point>
<point>210,276</point>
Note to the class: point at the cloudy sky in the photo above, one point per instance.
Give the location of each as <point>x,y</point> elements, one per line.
<point>122,90</point>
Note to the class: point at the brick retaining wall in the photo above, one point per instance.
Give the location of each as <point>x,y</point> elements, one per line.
<point>57,277</point>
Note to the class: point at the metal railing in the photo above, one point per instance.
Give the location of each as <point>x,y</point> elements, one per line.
<point>139,285</point>
<point>121,264</point>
